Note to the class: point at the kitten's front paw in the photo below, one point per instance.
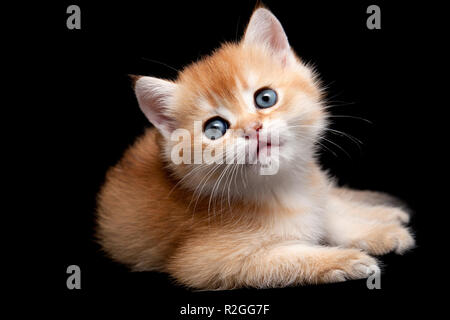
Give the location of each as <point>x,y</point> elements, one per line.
<point>385,238</point>
<point>349,264</point>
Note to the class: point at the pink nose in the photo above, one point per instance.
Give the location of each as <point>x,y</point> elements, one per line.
<point>255,126</point>
<point>252,130</point>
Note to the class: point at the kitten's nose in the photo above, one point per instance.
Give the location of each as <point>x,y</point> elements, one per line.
<point>255,126</point>
<point>252,130</point>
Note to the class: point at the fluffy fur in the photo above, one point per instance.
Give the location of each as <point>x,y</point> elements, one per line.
<point>222,226</point>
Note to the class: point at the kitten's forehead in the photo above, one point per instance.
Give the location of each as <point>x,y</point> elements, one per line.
<point>217,77</point>
<point>226,81</point>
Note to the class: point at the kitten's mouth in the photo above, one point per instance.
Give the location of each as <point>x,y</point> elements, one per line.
<point>262,147</point>
<point>268,145</point>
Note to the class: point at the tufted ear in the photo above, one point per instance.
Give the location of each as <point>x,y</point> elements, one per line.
<point>265,29</point>
<point>154,96</point>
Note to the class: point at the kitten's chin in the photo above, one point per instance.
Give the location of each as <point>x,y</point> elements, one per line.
<point>276,170</point>
<point>269,150</point>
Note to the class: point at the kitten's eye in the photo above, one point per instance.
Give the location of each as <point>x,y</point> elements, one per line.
<point>215,128</point>
<point>265,98</point>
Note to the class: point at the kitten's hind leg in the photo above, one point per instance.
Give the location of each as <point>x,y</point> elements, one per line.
<point>387,207</point>
<point>209,264</point>
<point>375,229</point>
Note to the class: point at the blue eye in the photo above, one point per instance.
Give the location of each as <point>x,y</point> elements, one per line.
<point>215,128</point>
<point>265,98</point>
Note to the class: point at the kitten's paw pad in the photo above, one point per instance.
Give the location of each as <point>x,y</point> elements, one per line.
<point>385,239</point>
<point>351,264</point>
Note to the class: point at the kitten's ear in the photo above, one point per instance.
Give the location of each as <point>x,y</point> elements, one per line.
<point>154,97</point>
<point>265,29</point>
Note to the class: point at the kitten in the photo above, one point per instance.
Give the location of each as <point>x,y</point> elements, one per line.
<point>214,225</point>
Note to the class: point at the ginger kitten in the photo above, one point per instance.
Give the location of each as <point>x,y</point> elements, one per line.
<point>261,215</point>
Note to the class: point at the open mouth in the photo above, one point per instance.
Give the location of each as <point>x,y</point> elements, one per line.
<point>267,147</point>
<point>263,146</point>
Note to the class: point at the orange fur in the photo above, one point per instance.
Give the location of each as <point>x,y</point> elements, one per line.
<point>264,232</point>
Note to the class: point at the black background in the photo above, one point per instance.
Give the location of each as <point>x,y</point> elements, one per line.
<point>93,117</point>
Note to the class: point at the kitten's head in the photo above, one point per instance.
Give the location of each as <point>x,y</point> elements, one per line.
<point>252,105</point>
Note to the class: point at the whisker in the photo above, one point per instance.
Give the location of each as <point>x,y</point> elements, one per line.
<point>349,136</point>
<point>215,187</point>
<point>343,150</point>
<point>161,63</point>
<point>202,185</point>
<point>195,169</point>
<point>334,131</point>
<point>351,117</point>
<point>318,142</point>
